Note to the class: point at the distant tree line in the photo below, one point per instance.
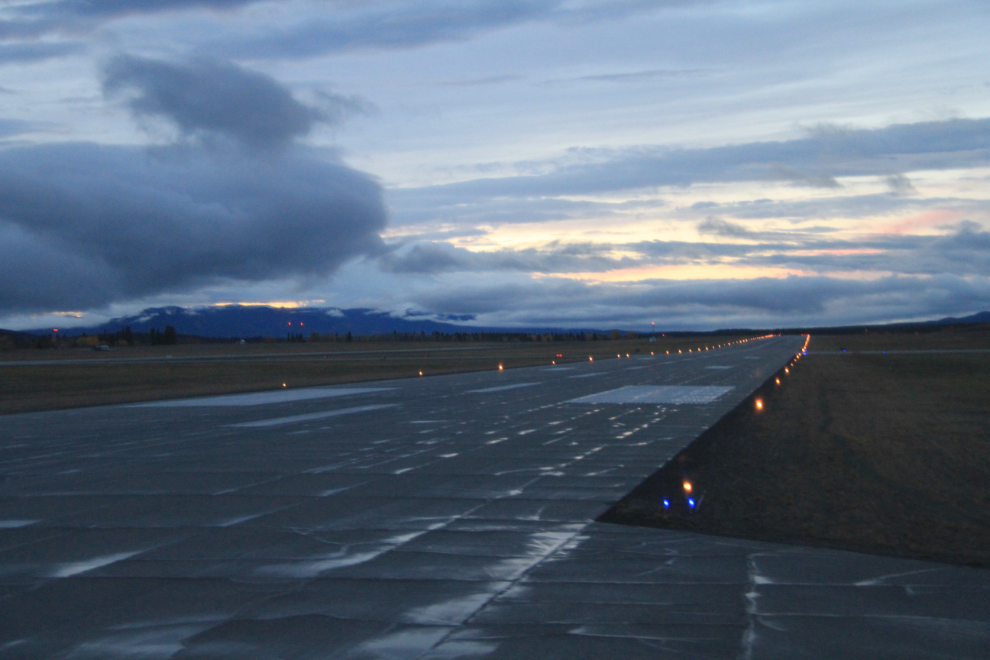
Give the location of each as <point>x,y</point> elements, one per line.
<point>166,338</point>
<point>437,336</point>
<point>124,336</point>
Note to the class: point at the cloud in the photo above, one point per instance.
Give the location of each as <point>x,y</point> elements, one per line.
<point>128,7</point>
<point>11,127</point>
<point>647,75</point>
<point>39,50</point>
<point>32,20</point>
<point>898,184</point>
<point>391,25</point>
<point>431,258</point>
<point>386,25</point>
<point>218,99</point>
<point>705,304</point>
<point>415,206</point>
<point>784,173</point>
<point>328,27</point>
<point>720,227</point>
<point>815,160</point>
<point>963,250</point>
<point>480,82</point>
<point>83,225</point>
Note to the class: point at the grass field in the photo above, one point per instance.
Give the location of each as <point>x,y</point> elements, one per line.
<point>880,453</point>
<point>78,377</point>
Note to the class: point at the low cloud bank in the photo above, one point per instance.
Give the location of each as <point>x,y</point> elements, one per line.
<point>707,304</point>
<point>962,249</point>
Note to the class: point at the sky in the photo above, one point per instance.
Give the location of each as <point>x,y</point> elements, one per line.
<point>700,164</point>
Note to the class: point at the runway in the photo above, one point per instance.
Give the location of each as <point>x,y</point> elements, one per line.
<point>444,517</point>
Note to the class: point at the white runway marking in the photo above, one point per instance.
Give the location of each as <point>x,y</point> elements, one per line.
<point>258,398</point>
<point>717,366</point>
<point>500,388</point>
<point>584,376</point>
<point>559,369</point>
<point>305,418</point>
<point>655,394</point>
<point>77,567</point>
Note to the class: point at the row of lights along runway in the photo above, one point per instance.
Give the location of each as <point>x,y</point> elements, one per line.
<point>787,370</point>
<point>699,349</point>
<point>690,498</point>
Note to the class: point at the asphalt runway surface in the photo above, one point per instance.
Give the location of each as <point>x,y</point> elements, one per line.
<point>444,517</point>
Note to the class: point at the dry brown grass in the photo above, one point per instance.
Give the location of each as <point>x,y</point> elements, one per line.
<point>888,454</point>
<point>960,337</point>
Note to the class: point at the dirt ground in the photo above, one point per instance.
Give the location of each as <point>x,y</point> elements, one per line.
<point>879,453</point>
<point>209,369</point>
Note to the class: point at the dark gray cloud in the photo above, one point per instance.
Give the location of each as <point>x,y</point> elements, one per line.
<point>431,258</point>
<point>719,227</point>
<point>213,98</point>
<point>814,160</point>
<point>83,225</point>
<point>778,172</point>
<point>898,184</point>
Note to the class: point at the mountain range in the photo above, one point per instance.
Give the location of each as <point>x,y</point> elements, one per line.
<point>264,321</point>
<point>232,321</point>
